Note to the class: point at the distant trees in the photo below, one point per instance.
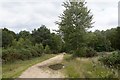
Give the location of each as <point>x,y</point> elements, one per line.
<point>111,36</point>
<point>104,40</point>
<point>25,45</point>
<point>7,37</point>
<point>24,34</point>
<point>118,38</point>
<point>42,35</point>
<point>98,41</point>
<point>56,43</point>
<point>21,43</point>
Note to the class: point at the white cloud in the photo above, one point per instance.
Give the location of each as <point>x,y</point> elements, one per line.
<point>18,15</point>
<point>105,14</point>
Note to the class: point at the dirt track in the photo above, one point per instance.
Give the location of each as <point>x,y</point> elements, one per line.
<point>41,70</point>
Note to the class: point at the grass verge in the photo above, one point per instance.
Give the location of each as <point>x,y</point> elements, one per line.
<point>13,70</point>
<point>87,68</point>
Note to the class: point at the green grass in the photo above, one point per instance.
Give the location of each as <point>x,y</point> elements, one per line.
<point>86,68</point>
<point>13,70</point>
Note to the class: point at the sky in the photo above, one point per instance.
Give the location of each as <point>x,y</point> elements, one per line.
<point>17,15</point>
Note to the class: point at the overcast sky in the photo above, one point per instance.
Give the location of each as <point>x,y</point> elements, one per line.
<point>18,15</point>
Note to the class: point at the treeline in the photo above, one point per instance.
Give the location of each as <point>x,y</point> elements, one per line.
<point>108,40</point>
<point>25,45</point>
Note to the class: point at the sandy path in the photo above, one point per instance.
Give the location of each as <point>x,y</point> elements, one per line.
<point>41,70</point>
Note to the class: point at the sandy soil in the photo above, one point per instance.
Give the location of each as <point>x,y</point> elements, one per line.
<point>41,70</point>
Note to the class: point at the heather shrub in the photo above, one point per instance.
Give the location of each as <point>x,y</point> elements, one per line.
<point>112,60</point>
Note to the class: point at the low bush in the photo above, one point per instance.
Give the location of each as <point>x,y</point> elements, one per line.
<point>13,53</point>
<point>47,49</point>
<point>90,52</point>
<point>84,52</point>
<point>80,52</point>
<point>25,54</point>
<point>112,60</point>
<point>39,48</point>
<point>33,52</point>
<point>23,49</point>
<point>10,55</point>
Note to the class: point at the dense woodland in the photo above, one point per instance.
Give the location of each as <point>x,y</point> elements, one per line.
<point>73,37</point>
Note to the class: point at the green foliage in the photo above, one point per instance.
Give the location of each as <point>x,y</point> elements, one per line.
<point>10,54</point>
<point>118,38</point>
<point>21,43</point>
<point>74,21</point>
<point>112,60</point>
<point>80,52</point>
<point>105,40</point>
<point>22,49</point>
<point>114,36</point>
<point>39,49</point>
<point>42,35</point>
<point>24,34</point>
<point>25,54</point>
<point>90,52</point>
<point>85,52</point>
<point>7,38</point>
<point>111,35</point>
<point>33,51</point>
<point>47,50</point>
<point>56,43</point>
<point>99,41</point>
